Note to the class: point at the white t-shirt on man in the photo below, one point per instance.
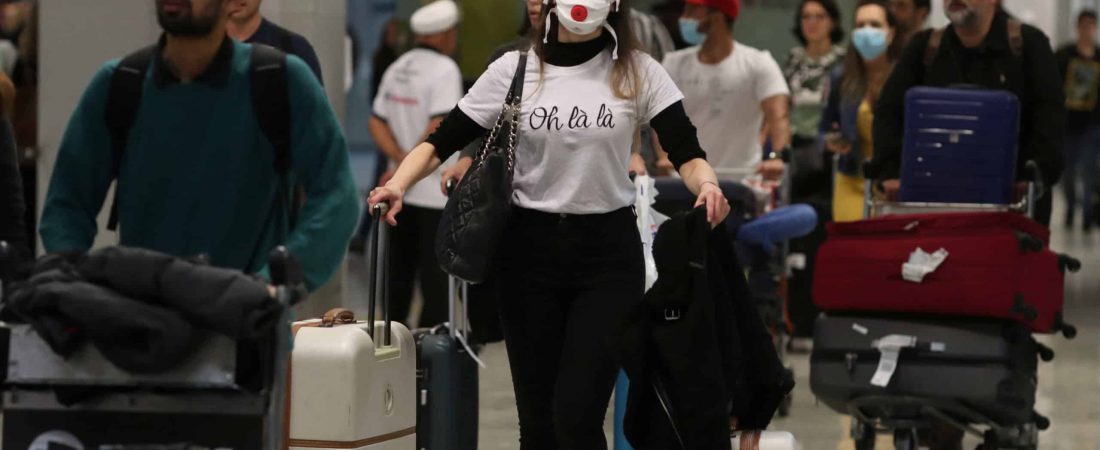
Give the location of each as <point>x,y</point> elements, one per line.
<point>723,101</point>
<point>421,85</point>
<point>575,136</point>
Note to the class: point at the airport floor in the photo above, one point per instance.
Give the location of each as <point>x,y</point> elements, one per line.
<point>1069,387</point>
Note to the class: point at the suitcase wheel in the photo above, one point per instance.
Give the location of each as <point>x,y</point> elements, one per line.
<point>863,434</point>
<point>1069,264</point>
<point>1041,422</point>
<point>1069,331</point>
<point>1045,353</point>
<point>905,439</point>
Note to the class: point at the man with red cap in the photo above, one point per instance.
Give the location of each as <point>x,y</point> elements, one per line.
<point>731,91</point>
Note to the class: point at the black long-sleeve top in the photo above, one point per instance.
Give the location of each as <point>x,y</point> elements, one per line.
<point>1032,76</point>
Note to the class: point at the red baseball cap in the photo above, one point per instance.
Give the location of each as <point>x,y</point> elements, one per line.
<point>728,7</point>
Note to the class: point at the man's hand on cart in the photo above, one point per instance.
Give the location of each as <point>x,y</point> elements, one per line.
<point>892,188</point>
<point>772,169</point>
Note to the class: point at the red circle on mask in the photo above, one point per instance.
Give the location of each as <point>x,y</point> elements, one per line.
<point>579,13</point>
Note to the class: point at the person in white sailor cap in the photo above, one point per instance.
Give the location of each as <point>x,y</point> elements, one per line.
<point>417,91</point>
<point>569,265</point>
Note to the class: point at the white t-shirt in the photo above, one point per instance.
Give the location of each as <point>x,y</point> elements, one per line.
<point>575,136</point>
<point>421,85</point>
<point>723,101</point>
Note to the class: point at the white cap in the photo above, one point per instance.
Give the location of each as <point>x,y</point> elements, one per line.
<point>436,17</point>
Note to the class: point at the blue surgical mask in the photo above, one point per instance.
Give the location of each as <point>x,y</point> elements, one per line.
<point>870,42</point>
<point>689,30</point>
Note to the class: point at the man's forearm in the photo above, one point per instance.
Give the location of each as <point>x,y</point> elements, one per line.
<point>383,137</point>
<point>778,121</point>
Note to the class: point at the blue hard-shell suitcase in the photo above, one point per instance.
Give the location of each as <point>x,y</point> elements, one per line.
<point>960,146</point>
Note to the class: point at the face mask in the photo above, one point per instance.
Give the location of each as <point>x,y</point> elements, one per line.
<point>583,17</point>
<point>689,30</point>
<point>869,42</point>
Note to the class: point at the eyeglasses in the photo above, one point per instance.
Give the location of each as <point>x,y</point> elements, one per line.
<point>814,17</point>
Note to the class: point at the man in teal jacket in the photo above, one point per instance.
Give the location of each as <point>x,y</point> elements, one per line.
<point>197,173</point>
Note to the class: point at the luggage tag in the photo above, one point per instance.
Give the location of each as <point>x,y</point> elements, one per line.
<point>890,347</point>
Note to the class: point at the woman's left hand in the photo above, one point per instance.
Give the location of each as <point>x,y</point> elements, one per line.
<point>717,205</point>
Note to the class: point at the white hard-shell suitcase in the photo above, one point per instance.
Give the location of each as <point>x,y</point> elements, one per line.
<point>347,390</point>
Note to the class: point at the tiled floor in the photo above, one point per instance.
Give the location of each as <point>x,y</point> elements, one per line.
<point>1069,387</point>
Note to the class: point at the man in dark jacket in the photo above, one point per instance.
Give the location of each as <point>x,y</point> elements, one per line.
<point>976,50</point>
<point>246,24</point>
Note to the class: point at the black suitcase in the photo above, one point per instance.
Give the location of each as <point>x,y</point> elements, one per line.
<point>447,383</point>
<point>987,366</point>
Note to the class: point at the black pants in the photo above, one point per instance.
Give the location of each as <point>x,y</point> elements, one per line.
<point>412,258</point>
<point>567,282</point>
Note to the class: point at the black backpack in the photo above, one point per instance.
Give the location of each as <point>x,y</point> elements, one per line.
<point>268,74</point>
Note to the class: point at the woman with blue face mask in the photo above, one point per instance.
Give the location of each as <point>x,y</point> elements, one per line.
<point>847,120</point>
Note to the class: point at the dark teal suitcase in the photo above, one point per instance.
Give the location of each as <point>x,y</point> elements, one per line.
<point>447,383</point>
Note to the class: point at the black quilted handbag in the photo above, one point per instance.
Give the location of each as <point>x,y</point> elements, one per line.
<point>477,211</point>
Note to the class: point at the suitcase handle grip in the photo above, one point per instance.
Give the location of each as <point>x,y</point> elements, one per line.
<point>286,271</point>
<point>379,274</point>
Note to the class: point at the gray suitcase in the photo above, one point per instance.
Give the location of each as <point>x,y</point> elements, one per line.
<point>987,366</point>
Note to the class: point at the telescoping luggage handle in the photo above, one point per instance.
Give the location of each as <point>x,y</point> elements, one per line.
<point>380,271</point>
<point>457,289</point>
<point>5,265</point>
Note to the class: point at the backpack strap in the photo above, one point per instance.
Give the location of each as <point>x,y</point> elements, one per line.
<point>1015,37</point>
<point>123,102</point>
<point>271,104</point>
<point>935,40</point>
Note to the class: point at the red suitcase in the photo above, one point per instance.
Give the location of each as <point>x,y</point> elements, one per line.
<point>999,266</point>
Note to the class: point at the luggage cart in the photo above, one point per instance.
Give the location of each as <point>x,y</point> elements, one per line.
<point>905,416</point>
<point>85,401</point>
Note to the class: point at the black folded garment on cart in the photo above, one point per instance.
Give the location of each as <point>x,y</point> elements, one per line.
<point>140,308</point>
<point>220,300</point>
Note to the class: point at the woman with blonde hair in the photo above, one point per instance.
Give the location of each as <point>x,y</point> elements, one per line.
<point>570,261</point>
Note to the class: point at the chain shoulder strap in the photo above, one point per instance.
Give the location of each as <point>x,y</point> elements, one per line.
<point>510,112</point>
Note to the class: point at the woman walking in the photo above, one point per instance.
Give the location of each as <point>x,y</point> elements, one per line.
<point>570,263</point>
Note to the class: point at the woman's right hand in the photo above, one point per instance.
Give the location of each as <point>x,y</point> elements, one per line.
<point>391,195</point>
